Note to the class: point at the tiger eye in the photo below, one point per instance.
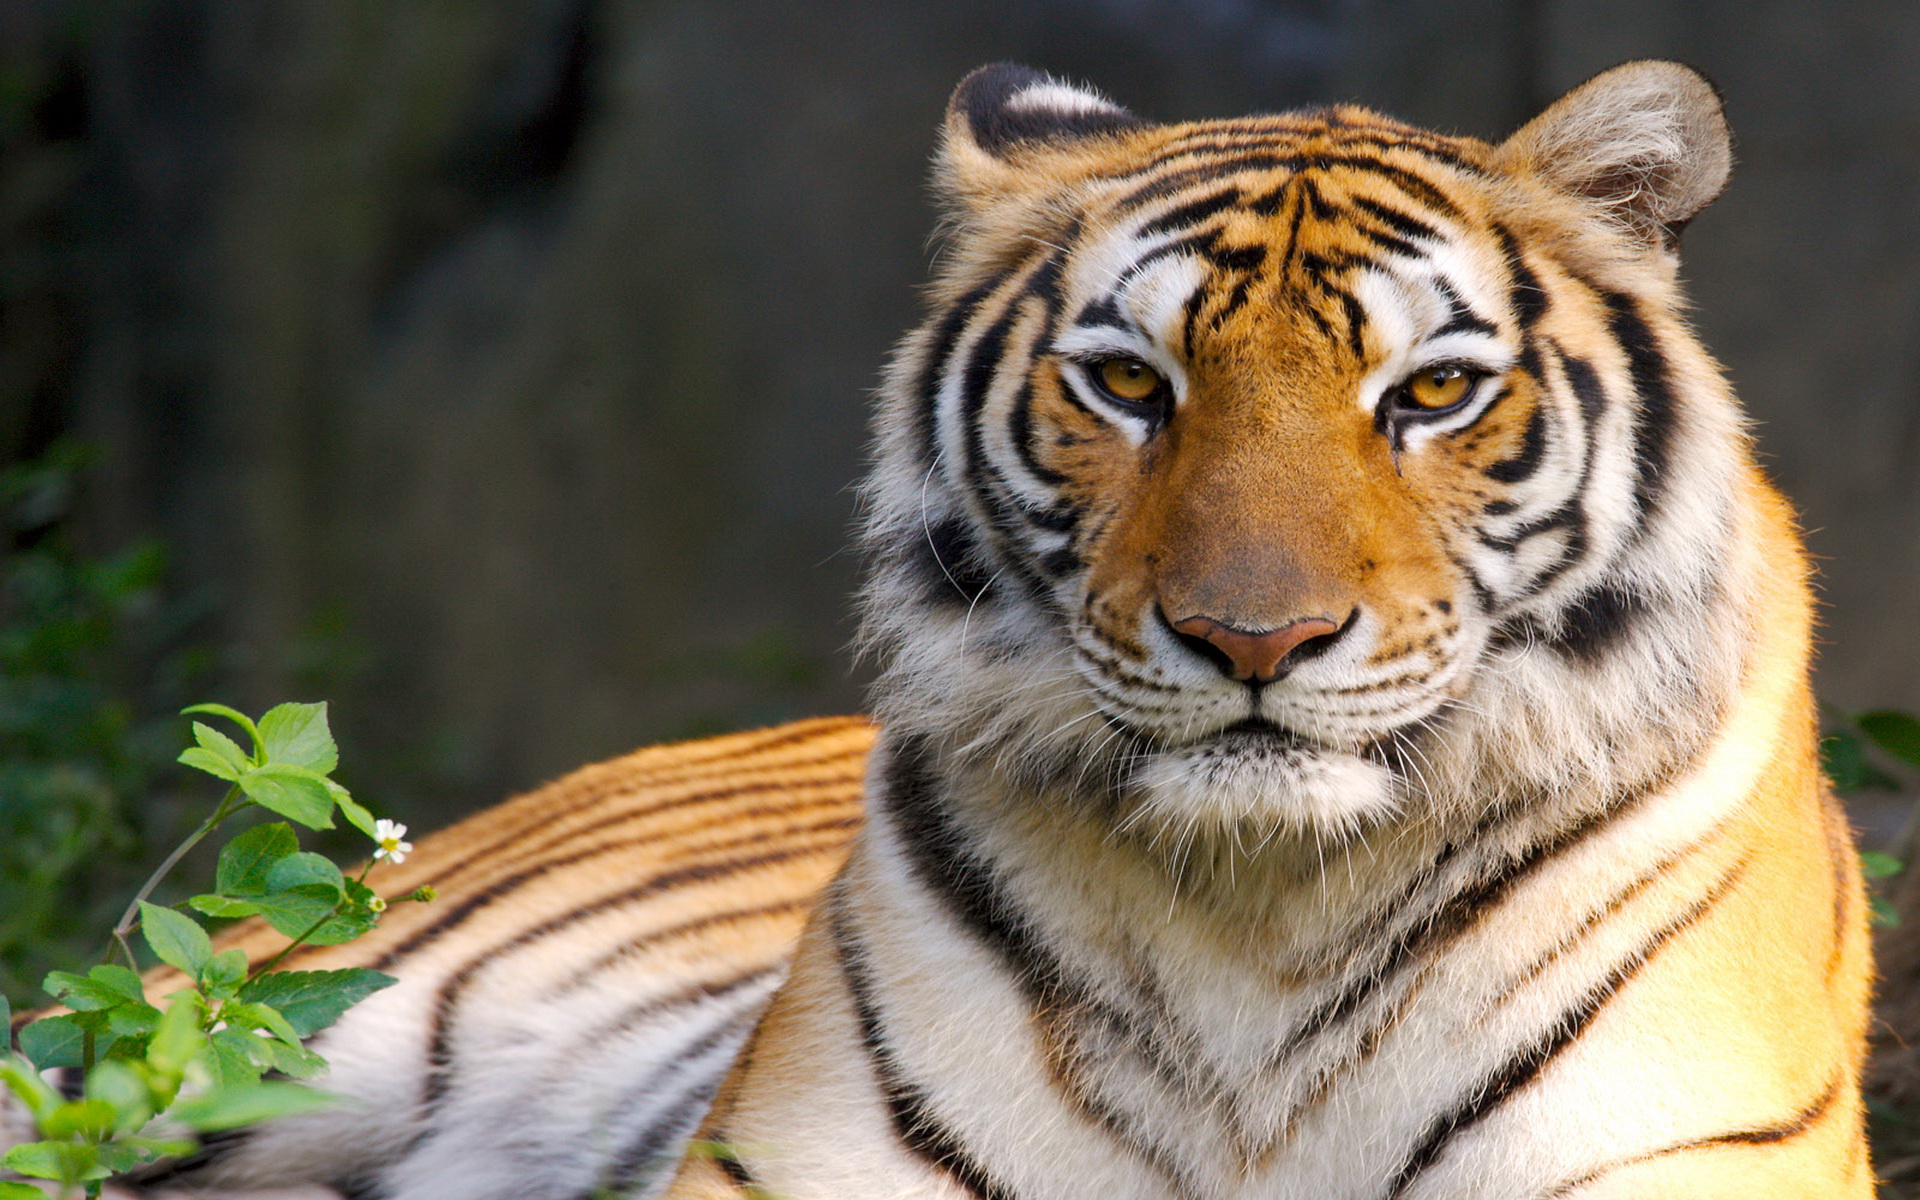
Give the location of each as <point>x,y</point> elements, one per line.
<point>1438,387</point>
<point>1129,379</point>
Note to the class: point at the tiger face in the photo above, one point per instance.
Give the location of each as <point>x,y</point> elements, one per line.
<point>1247,460</point>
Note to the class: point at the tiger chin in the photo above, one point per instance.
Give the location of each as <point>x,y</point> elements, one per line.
<point>1345,735</point>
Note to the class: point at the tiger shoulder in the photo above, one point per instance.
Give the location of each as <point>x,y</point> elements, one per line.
<point>1344,734</point>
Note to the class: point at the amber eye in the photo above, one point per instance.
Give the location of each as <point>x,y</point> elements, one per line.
<point>1128,379</point>
<point>1438,387</point>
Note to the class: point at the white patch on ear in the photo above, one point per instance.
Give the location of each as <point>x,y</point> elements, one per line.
<point>1057,97</point>
<point>1646,142</point>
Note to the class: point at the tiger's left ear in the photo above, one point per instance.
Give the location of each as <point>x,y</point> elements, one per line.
<point>1647,142</point>
<point>1011,131</point>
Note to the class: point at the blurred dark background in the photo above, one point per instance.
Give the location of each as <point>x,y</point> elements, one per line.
<point>497,371</point>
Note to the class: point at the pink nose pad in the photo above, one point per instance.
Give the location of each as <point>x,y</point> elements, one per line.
<point>1256,657</point>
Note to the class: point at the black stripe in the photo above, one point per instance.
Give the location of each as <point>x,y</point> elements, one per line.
<point>1525,295</point>
<point>1485,1097</point>
<point>1403,223</point>
<point>915,1126</point>
<point>447,998</point>
<point>1658,412</point>
<point>499,888</point>
<point>1191,213</point>
<point>946,562</point>
<point>644,1157</point>
<point>1407,181</point>
<point>934,369</point>
<point>1460,315</point>
<point>1763,1135</point>
<point>1596,620</point>
<point>1533,445</point>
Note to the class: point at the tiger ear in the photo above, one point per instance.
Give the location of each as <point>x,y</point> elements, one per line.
<point>1006,122</point>
<point>1647,142</point>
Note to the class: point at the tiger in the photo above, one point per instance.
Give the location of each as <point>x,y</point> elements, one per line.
<point>1342,731</point>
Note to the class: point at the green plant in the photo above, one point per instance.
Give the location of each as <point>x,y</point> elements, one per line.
<point>1862,752</point>
<point>94,660</point>
<point>152,1073</point>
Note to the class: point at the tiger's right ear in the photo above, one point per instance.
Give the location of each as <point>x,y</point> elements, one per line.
<point>1010,131</point>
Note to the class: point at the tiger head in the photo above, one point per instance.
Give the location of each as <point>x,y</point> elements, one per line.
<point>1293,470</point>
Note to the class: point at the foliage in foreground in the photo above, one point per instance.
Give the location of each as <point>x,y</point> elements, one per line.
<point>153,1074</point>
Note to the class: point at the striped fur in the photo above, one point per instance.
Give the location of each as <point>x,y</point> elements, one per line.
<point>1500,866</point>
<point>1521,882</point>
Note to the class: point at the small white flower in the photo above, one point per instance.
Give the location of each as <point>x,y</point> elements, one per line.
<point>389,835</point>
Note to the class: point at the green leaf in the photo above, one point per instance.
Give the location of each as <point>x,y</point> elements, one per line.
<point>1875,865</point>
<point>296,910</point>
<point>298,734</point>
<point>55,1041</point>
<point>294,792</point>
<point>223,908</point>
<point>20,1191</point>
<point>230,1108</point>
<point>351,809</point>
<point>234,1063</point>
<point>238,718</point>
<point>68,1161</point>
<point>1881,913</point>
<point>224,973</point>
<point>1844,759</point>
<point>294,1062</point>
<point>253,1015</point>
<point>105,986</point>
<point>305,870</point>
<point>1897,733</point>
<point>178,1040</point>
<point>6,1022</point>
<point>24,1082</point>
<point>245,861</point>
<point>175,937</point>
<point>124,1091</point>
<point>222,747</point>
<point>313,1000</point>
<point>204,760</point>
<point>134,1019</point>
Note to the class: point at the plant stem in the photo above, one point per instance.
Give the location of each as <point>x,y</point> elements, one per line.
<point>293,945</point>
<point>130,919</point>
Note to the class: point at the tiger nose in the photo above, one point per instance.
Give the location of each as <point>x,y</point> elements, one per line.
<point>1248,656</point>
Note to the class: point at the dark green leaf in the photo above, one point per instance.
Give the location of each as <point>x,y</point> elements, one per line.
<point>294,792</point>
<point>55,1041</point>
<point>294,1062</point>
<point>305,870</point>
<point>296,910</point>
<point>232,1108</point>
<point>6,1021</point>
<point>134,1019</point>
<point>313,1000</point>
<point>245,861</point>
<point>1844,759</point>
<point>222,747</point>
<point>297,734</point>
<point>1897,733</point>
<point>204,760</point>
<point>175,937</point>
